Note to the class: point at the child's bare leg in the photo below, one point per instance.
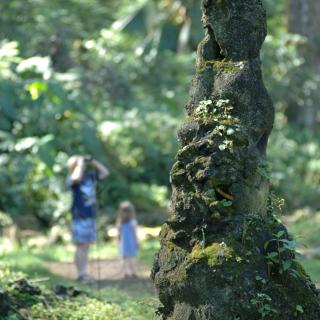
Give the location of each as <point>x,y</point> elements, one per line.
<point>126,266</point>
<point>133,266</point>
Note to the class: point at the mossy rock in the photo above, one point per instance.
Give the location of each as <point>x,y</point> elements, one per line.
<point>214,254</point>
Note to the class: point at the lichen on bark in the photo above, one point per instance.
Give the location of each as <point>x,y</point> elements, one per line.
<point>218,258</point>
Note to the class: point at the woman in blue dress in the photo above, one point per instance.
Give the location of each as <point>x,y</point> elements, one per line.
<point>128,240</point>
<point>82,183</point>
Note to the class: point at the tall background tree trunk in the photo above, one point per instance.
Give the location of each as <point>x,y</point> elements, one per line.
<point>304,19</point>
<point>223,253</point>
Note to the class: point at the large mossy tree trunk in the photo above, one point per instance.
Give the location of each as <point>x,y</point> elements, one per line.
<point>224,255</point>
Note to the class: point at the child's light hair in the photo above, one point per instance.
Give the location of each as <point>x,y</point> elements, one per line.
<point>126,211</point>
<point>72,162</point>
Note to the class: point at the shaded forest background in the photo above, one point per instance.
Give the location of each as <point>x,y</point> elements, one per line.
<point>110,78</point>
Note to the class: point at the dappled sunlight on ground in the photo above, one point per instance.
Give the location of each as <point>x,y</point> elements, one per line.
<point>102,270</point>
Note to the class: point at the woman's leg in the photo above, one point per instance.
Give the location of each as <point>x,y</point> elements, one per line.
<point>81,259</point>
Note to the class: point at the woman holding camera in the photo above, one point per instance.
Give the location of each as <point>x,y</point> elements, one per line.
<point>82,182</point>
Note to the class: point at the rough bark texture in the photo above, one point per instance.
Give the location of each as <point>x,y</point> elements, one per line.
<point>223,254</point>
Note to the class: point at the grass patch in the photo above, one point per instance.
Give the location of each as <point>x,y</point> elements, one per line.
<point>108,304</point>
<point>115,300</point>
<point>304,226</point>
<point>312,266</point>
<point>147,251</point>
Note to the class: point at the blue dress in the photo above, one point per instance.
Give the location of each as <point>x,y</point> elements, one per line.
<point>128,243</point>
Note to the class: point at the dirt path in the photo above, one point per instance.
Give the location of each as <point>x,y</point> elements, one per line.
<point>109,273</point>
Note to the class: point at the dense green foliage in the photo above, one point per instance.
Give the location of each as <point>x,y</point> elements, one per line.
<point>107,101</point>
<point>104,77</point>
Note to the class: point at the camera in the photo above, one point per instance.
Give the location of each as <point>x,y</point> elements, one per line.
<point>88,158</point>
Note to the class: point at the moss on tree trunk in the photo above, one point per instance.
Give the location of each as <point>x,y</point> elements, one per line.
<point>224,256</point>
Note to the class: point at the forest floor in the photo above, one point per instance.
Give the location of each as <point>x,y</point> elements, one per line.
<point>108,273</point>
<point>114,297</point>
<point>111,298</point>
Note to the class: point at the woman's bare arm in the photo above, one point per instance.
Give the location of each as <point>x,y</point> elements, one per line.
<point>77,173</point>
<point>103,172</point>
